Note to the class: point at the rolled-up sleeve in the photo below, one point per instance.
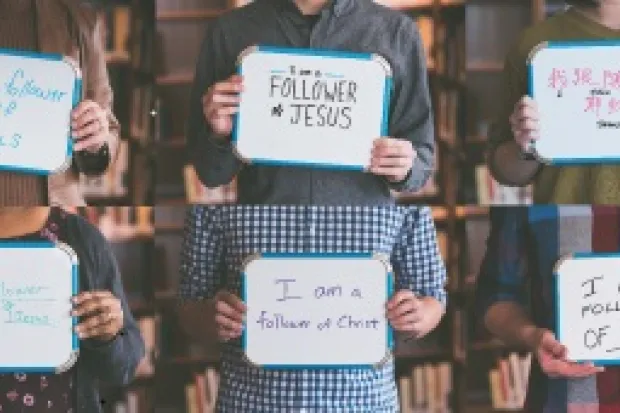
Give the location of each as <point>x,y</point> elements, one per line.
<point>502,273</point>
<point>416,258</point>
<point>202,253</point>
<point>411,115</point>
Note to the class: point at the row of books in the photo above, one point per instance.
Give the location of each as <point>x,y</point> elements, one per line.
<point>201,393</point>
<point>509,380</point>
<point>426,389</point>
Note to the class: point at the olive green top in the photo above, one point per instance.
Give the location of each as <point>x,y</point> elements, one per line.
<point>556,184</point>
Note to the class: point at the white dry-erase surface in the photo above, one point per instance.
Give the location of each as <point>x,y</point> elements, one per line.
<point>588,307</point>
<point>37,94</point>
<point>315,311</point>
<point>576,86</point>
<point>311,107</point>
<point>37,281</point>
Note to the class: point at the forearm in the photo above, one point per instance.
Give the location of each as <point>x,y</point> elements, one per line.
<point>509,167</point>
<point>197,318</point>
<point>509,322</point>
<point>115,362</point>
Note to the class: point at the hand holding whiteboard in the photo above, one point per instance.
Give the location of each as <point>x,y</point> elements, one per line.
<point>311,108</point>
<point>37,282</point>
<point>577,89</point>
<point>37,95</point>
<point>588,307</point>
<point>313,311</point>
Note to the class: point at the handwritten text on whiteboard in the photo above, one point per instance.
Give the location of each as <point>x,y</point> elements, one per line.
<point>588,305</point>
<point>313,311</point>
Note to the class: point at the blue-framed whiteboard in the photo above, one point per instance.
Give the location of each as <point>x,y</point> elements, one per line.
<point>311,311</point>
<point>587,306</point>
<point>37,282</point>
<point>576,86</point>
<point>311,108</point>
<point>38,92</point>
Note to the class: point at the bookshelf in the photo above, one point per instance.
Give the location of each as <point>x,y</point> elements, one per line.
<point>493,27</point>
<point>129,41</point>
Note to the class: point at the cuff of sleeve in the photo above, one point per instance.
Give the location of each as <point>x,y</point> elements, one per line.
<point>103,346</point>
<point>415,179</point>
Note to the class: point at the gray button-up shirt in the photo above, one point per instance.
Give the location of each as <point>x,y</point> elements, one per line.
<point>348,25</point>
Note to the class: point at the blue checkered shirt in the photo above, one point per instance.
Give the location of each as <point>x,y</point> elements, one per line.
<point>219,238</point>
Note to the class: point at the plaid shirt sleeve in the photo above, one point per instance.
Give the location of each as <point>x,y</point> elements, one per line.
<point>416,258</point>
<point>502,270</point>
<point>202,254</point>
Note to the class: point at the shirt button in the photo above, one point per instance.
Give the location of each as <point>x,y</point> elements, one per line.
<point>311,229</point>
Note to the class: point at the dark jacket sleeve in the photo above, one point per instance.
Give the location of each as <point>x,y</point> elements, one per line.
<point>214,160</point>
<point>502,276</point>
<point>411,115</point>
<point>114,362</point>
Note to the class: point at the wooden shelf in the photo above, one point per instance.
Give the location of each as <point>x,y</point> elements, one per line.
<point>462,212</point>
<point>175,79</point>
<point>197,14</point>
<point>112,57</point>
<point>485,66</point>
<point>177,142</point>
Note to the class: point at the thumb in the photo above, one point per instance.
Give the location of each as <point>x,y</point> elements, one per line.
<point>551,345</point>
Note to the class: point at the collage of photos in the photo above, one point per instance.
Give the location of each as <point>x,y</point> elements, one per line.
<point>309,206</point>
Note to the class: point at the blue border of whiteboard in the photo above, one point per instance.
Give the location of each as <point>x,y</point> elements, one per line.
<point>387,93</point>
<point>530,92</point>
<point>389,291</point>
<point>75,345</point>
<point>76,98</point>
<point>577,256</point>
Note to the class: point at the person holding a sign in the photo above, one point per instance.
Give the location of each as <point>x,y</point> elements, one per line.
<point>516,298</point>
<point>111,345</point>
<point>219,239</point>
<point>402,161</point>
<point>68,28</point>
<point>510,137</point>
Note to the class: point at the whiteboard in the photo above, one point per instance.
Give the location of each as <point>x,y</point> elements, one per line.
<point>314,310</point>
<point>37,94</point>
<point>37,282</point>
<point>311,108</point>
<point>588,307</point>
<point>577,88</point>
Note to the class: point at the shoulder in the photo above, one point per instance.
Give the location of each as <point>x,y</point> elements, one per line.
<point>255,12</point>
<point>395,22</point>
<point>553,28</point>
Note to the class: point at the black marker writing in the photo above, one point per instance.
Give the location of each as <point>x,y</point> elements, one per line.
<point>590,283</point>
